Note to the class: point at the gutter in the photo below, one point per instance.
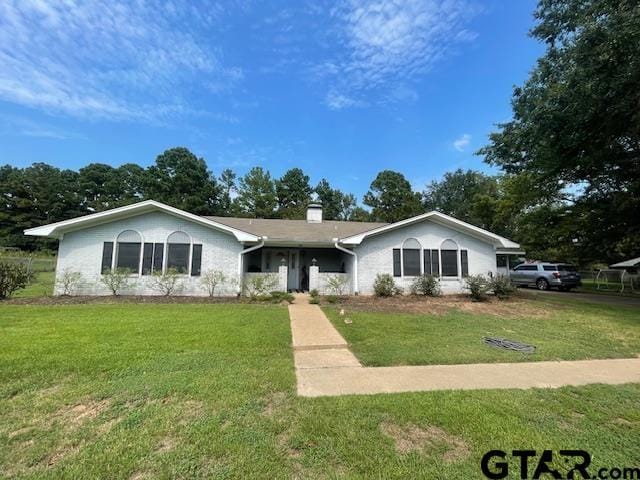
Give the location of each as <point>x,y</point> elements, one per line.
<point>241,256</point>
<point>355,263</point>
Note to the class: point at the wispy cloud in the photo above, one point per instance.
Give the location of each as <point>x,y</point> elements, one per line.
<point>14,125</point>
<point>387,43</point>
<point>114,60</point>
<point>462,142</point>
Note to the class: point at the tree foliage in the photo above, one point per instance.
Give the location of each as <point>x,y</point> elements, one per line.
<point>293,192</point>
<point>391,198</point>
<point>257,194</point>
<point>576,125</point>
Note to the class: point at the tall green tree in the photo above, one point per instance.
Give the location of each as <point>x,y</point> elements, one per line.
<point>257,194</point>
<point>337,205</point>
<point>576,122</point>
<point>182,180</point>
<point>391,198</point>
<point>469,196</point>
<point>227,182</point>
<point>293,192</point>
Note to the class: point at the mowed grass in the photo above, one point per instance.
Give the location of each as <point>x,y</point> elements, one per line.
<point>208,391</point>
<point>41,285</point>
<point>560,329</point>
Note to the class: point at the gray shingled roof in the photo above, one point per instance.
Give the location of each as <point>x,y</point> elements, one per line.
<point>297,230</point>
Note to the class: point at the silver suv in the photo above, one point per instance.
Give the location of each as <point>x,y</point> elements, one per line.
<point>546,275</point>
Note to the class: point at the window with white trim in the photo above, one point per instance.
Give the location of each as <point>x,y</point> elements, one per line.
<point>128,250</point>
<point>449,258</point>
<point>178,251</point>
<point>411,258</point>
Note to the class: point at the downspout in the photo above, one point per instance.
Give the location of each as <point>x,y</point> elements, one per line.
<point>355,263</point>
<point>241,256</point>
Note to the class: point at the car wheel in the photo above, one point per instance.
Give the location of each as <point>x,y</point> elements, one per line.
<point>542,284</point>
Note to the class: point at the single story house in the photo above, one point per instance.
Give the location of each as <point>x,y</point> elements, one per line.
<point>150,237</point>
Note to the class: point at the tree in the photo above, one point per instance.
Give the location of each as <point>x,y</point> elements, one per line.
<point>182,180</point>
<point>391,198</point>
<point>257,194</point>
<point>293,192</point>
<point>227,182</point>
<point>337,205</point>
<point>98,186</point>
<point>576,121</point>
<point>469,196</point>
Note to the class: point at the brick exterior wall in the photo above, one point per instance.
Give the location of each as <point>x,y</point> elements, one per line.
<point>81,251</point>
<point>375,254</point>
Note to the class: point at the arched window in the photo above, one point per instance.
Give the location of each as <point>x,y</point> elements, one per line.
<point>411,257</point>
<point>128,250</point>
<point>449,256</point>
<point>178,250</point>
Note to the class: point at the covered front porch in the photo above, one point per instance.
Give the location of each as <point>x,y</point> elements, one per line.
<point>301,269</point>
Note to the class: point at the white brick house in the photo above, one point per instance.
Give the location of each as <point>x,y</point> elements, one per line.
<point>150,237</point>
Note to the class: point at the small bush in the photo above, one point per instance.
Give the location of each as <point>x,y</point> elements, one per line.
<point>314,300</point>
<point>477,286</point>
<point>115,280</point>
<point>259,285</point>
<point>426,285</point>
<point>314,293</point>
<point>67,281</point>
<point>384,286</point>
<point>332,298</point>
<point>337,284</point>
<point>211,279</point>
<point>13,276</point>
<point>502,287</point>
<point>279,297</point>
<point>167,283</point>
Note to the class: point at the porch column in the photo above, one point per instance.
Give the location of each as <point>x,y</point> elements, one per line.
<point>283,274</point>
<point>314,278</point>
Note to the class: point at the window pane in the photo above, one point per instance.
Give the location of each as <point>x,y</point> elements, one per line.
<point>411,262</point>
<point>107,254</point>
<point>435,263</point>
<point>396,262</point>
<point>549,268</point>
<point>128,256</point>
<point>464,263</point>
<point>427,262</point>
<point>147,258</point>
<point>449,263</point>
<point>501,260</point>
<point>178,257</point>
<point>158,255</point>
<point>196,260</point>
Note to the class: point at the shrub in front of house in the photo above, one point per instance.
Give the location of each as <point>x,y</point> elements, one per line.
<point>427,285</point>
<point>478,286</point>
<point>13,276</point>
<point>502,287</point>
<point>279,297</point>
<point>385,286</point>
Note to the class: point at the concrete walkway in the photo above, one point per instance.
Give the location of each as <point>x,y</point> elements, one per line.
<point>325,366</point>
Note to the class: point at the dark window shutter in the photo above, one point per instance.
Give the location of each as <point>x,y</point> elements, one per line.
<point>427,262</point>
<point>158,256</point>
<point>196,260</point>
<point>396,262</point>
<point>107,256</point>
<point>147,258</point>
<point>464,263</point>
<point>435,263</point>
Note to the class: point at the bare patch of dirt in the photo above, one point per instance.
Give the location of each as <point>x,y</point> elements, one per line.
<point>411,438</point>
<point>59,455</point>
<point>283,442</point>
<point>82,412</point>
<point>19,432</point>
<point>273,402</point>
<point>166,445</point>
<point>513,307</point>
<point>621,422</point>
<point>143,475</point>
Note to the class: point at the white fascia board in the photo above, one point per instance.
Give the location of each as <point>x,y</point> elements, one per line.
<point>58,229</point>
<point>438,218</point>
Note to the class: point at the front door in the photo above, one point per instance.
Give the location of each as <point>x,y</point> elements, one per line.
<point>293,275</point>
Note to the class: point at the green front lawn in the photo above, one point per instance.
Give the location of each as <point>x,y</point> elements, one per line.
<point>560,329</point>
<point>208,391</point>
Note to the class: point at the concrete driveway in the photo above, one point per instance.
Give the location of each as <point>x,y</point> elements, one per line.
<point>588,297</point>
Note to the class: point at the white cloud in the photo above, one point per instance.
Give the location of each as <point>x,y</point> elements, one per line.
<point>388,43</point>
<point>338,101</point>
<point>462,142</point>
<point>14,125</point>
<point>115,60</point>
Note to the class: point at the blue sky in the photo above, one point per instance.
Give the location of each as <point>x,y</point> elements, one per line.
<point>341,89</point>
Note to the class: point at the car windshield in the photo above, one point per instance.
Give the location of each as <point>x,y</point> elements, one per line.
<point>567,268</point>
